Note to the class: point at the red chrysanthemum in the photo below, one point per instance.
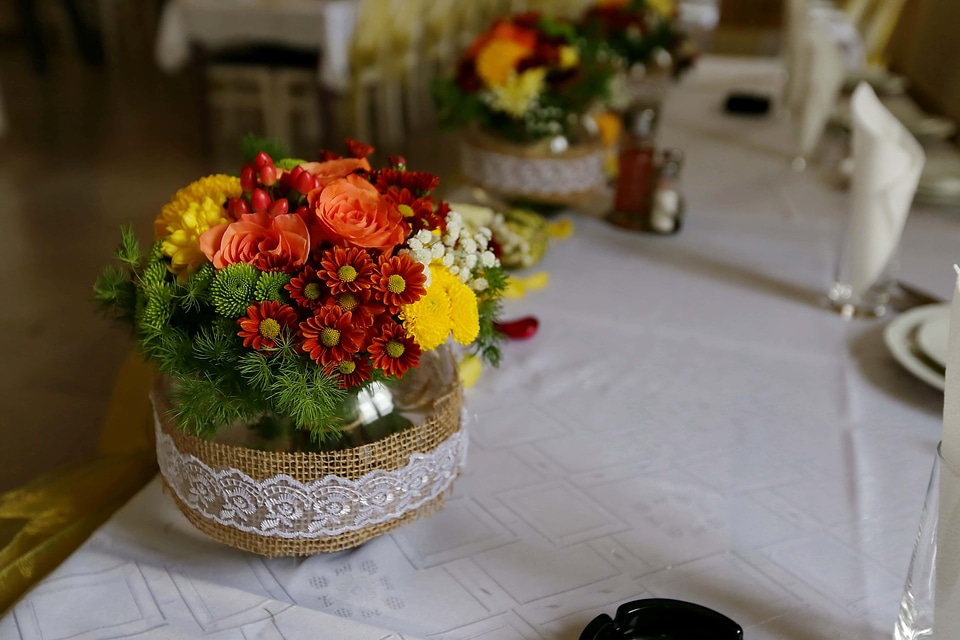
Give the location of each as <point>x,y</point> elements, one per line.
<point>330,336</point>
<point>350,372</point>
<point>324,155</point>
<point>361,304</point>
<point>346,269</point>
<point>307,289</point>
<point>419,212</point>
<point>419,182</point>
<point>264,323</point>
<point>398,281</point>
<point>394,351</point>
<point>358,149</point>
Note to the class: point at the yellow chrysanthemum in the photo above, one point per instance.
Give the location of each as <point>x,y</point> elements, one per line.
<point>498,59</point>
<point>428,319</point>
<point>190,212</point>
<point>569,57</point>
<point>449,306</point>
<point>519,92</point>
<point>663,8</point>
<point>464,314</point>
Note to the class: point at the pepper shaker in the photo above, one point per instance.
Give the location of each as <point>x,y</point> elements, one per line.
<point>667,209</point>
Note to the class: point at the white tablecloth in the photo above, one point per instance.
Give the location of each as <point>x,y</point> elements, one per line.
<point>688,423</point>
<point>323,25</point>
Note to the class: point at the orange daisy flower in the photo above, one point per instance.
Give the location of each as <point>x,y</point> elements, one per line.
<point>394,351</point>
<point>307,289</point>
<point>346,269</point>
<point>398,281</point>
<point>349,373</point>
<point>330,336</point>
<point>419,212</point>
<point>361,304</point>
<point>264,323</point>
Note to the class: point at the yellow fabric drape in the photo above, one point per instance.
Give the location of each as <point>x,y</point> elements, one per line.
<point>876,20</point>
<point>43,522</point>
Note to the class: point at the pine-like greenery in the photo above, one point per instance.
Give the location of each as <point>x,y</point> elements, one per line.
<point>188,329</point>
<point>489,305</point>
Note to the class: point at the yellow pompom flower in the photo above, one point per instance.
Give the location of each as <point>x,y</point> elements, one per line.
<point>448,306</point>
<point>498,59</point>
<point>428,319</point>
<point>519,92</point>
<point>464,313</point>
<point>569,57</point>
<point>190,212</point>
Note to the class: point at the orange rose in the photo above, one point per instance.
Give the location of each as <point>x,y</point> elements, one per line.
<point>503,30</point>
<point>351,212</point>
<point>333,169</point>
<point>268,243</point>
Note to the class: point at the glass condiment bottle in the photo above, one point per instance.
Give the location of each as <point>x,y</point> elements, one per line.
<point>637,170</point>
<point>667,207</point>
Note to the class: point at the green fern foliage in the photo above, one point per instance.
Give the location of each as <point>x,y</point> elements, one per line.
<point>489,305</point>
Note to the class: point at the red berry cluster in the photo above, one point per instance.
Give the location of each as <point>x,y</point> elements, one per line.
<point>265,192</point>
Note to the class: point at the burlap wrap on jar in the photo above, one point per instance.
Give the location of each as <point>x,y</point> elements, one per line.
<point>279,503</point>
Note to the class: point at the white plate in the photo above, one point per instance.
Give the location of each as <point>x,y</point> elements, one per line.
<point>881,80</point>
<point>933,334</point>
<point>925,127</point>
<point>901,339</point>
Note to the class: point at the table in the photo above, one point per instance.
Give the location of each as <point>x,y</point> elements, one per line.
<point>325,26</point>
<point>688,423</point>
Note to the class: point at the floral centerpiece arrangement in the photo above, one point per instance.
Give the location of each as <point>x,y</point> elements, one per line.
<point>642,34</point>
<point>527,78</point>
<point>279,296</point>
<point>522,90</point>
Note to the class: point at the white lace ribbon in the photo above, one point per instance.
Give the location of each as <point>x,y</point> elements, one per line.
<point>283,507</point>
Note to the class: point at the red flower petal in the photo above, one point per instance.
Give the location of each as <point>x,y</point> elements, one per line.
<point>358,149</point>
<point>520,329</point>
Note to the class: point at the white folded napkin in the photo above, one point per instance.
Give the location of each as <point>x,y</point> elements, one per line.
<point>888,162</point>
<point>795,53</point>
<point>172,48</point>
<point>946,608</point>
<point>825,70</point>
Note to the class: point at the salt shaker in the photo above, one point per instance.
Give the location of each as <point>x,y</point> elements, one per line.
<point>667,208</point>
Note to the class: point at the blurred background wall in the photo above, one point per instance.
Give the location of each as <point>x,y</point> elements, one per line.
<point>926,49</point>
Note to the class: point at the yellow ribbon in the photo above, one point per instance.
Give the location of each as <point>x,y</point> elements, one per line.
<point>470,369</point>
<point>561,229</point>
<point>43,522</point>
<point>518,287</point>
